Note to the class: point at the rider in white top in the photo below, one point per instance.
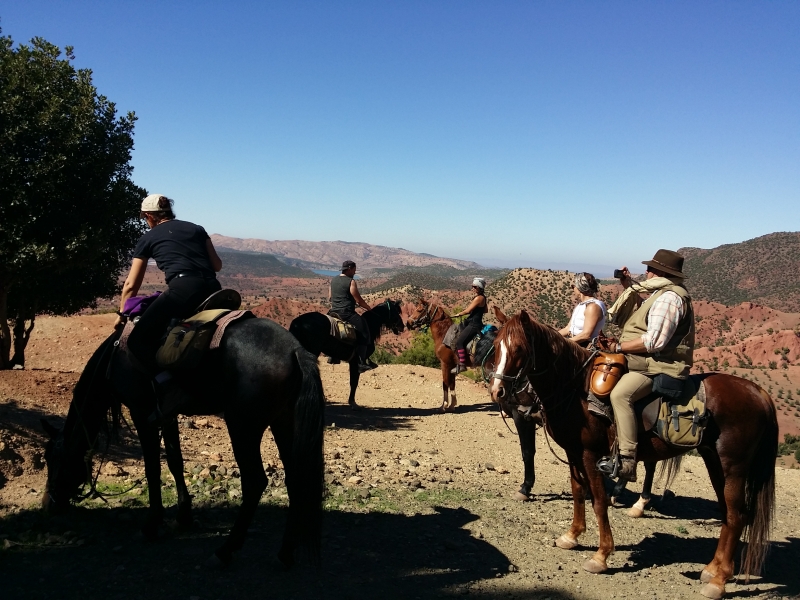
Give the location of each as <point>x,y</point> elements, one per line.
<point>589,317</point>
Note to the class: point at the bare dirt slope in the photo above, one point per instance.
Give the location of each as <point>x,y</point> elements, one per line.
<point>418,507</point>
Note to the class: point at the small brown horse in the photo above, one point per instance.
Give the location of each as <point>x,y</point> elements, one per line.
<point>739,445</point>
<point>438,319</point>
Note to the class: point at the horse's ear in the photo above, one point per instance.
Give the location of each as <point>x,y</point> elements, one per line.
<point>48,428</point>
<point>499,315</point>
<point>524,317</point>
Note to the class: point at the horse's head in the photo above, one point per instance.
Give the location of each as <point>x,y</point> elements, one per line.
<point>395,322</point>
<point>66,471</point>
<point>421,315</point>
<point>514,354</point>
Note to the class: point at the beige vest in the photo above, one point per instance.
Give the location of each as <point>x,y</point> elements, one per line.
<point>675,359</point>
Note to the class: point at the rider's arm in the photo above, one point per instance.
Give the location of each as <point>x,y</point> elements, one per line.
<point>476,302</point>
<point>591,317</point>
<point>132,284</point>
<point>357,297</point>
<point>216,261</point>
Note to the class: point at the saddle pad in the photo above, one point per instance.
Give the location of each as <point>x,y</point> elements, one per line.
<point>452,334</point>
<point>223,323</point>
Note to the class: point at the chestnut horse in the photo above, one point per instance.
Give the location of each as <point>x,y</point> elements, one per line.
<point>739,445</point>
<point>438,319</point>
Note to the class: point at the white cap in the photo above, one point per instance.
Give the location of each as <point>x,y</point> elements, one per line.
<point>150,204</point>
<point>479,282</point>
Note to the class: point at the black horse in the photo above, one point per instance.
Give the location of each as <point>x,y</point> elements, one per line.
<point>259,377</point>
<point>313,330</point>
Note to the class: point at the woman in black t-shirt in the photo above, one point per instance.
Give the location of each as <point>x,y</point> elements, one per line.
<point>472,327</point>
<point>184,252</point>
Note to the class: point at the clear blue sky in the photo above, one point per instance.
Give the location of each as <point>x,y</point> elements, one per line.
<point>514,133</point>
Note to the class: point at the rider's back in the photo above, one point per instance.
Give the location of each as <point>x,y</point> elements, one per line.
<point>177,247</point>
<point>342,301</point>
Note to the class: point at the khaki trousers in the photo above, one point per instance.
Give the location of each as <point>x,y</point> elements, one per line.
<point>632,386</point>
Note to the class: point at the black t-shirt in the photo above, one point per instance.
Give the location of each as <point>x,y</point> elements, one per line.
<point>177,247</point>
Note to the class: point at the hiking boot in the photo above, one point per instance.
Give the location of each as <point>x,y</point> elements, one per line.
<point>372,363</point>
<point>363,367</point>
<point>627,469</point>
<point>459,368</point>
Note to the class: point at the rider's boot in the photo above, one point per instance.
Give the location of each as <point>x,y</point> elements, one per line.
<point>459,368</point>
<point>627,468</point>
<point>170,399</point>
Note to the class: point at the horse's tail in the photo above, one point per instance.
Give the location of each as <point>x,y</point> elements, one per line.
<point>760,495</point>
<point>669,469</point>
<point>307,455</point>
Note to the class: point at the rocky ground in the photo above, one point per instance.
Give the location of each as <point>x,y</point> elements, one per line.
<point>418,506</point>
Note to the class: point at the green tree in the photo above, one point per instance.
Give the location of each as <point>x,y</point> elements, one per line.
<point>68,207</point>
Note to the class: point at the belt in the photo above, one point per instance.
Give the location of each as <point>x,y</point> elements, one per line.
<point>191,274</point>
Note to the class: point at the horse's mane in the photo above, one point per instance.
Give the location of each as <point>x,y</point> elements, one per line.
<point>434,302</point>
<point>520,334</point>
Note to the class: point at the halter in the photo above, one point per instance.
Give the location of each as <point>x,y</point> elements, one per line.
<point>427,316</point>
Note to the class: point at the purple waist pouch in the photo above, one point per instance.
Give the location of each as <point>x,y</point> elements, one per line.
<point>135,306</point>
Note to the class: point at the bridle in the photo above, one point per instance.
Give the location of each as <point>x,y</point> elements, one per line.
<point>427,318</point>
<point>395,328</point>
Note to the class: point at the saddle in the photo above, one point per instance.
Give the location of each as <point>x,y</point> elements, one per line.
<point>476,350</point>
<point>185,342</point>
<point>678,419</point>
<point>342,330</point>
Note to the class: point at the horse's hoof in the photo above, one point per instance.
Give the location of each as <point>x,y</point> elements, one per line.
<point>214,562</point>
<point>287,558</point>
<point>595,565</point>
<point>706,576</point>
<point>566,543</point>
<point>637,510</point>
<point>223,558</point>
<point>520,497</point>
<point>713,591</point>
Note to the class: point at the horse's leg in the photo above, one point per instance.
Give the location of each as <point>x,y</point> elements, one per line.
<point>445,384</point>
<point>527,442</point>
<point>246,442</point>
<point>283,432</point>
<point>451,382</point>
<point>570,539</point>
<point>731,497</point>
<point>355,375</point>
<point>151,451</point>
<point>597,564</point>
<point>637,510</point>
<point>172,444</point>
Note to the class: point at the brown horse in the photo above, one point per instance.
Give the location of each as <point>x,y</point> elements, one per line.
<point>438,319</point>
<point>739,445</point>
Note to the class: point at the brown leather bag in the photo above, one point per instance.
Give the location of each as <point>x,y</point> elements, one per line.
<point>606,372</point>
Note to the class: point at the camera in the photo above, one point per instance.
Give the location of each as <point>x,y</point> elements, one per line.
<point>618,274</point>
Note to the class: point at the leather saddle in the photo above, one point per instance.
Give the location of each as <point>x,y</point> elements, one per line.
<point>227,299</point>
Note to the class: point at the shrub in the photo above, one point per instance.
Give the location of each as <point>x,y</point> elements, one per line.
<point>421,352</point>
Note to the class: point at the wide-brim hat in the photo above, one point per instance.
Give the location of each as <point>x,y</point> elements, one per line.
<point>668,261</point>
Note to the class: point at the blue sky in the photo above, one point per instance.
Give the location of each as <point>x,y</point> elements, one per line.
<point>512,133</point>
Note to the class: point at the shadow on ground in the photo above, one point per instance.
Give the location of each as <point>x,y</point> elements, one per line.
<point>664,548</point>
<point>375,554</point>
<point>389,419</point>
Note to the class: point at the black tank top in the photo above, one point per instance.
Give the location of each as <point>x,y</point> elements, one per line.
<point>476,314</point>
<point>342,301</point>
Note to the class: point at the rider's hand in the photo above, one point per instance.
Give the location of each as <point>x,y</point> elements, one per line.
<point>626,279</point>
<point>119,323</point>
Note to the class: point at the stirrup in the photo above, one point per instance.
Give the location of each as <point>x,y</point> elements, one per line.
<point>609,466</point>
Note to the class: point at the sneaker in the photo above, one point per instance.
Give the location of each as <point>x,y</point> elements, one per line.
<point>627,469</point>
<point>363,367</point>
<point>372,363</point>
<point>333,361</point>
<point>459,368</point>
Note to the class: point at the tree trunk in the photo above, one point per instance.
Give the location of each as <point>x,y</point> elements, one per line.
<point>5,332</point>
<point>21,336</point>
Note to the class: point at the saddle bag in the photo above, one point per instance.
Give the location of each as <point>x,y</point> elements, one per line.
<point>187,342</point>
<point>682,422</point>
<point>606,373</point>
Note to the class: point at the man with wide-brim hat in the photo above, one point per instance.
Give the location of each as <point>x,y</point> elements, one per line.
<point>657,340</point>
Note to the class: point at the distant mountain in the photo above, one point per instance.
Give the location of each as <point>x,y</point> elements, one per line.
<point>254,264</point>
<point>330,255</point>
<point>764,270</point>
<point>434,277</point>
